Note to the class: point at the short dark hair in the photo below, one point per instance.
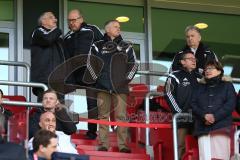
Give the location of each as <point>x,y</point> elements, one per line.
<point>216,64</point>
<point>42,137</point>
<point>183,54</point>
<point>50,91</point>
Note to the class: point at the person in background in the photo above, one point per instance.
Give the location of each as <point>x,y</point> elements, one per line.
<point>213,103</point>
<point>201,51</point>
<point>44,144</point>
<point>78,42</point>
<point>8,150</point>
<point>48,122</point>
<point>117,71</point>
<point>178,90</point>
<point>51,103</point>
<point>47,52</point>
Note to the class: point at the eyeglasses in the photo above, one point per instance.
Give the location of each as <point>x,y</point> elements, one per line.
<point>209,68</point>
<point>73,20</point>
<point>191,59</point>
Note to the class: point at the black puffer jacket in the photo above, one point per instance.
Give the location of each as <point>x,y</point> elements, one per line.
<point>203,54</point>
<point>46,53</point>
<point>215,97</point>
<point>79,43</point>
<point>118,65</point>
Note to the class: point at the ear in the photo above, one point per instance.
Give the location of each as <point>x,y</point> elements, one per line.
<point>200,37</point>
<point>42,148</point>
<point>40,124</point>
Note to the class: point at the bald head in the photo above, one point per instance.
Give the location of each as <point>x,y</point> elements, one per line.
<point>48,121</point>
<point>75,20</point>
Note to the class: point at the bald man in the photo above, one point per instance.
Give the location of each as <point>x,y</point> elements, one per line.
<point>48,122</point>
<point>78,41</point>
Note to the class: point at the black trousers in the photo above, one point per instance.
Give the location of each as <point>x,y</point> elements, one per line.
<point>91,95</point>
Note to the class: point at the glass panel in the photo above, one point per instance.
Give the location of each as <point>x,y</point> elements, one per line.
<point>221,36</point>
<point>105,13</point>
<point>6,10</point>
<point>4,52</point>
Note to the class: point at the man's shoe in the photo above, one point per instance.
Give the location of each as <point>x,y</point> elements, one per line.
<point>91,135</point>
<point>102,148</point>
<point>125,150</point>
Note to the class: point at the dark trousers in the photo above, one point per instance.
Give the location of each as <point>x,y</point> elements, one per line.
<point>92,109</point>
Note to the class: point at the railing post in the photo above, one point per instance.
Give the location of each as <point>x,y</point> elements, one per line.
<point>175,136</point>
<point>147,117</point>
<point>236,142</point>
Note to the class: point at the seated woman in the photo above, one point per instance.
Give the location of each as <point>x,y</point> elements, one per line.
<point>212,103</point>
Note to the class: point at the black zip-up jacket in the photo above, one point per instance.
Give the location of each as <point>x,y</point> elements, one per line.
<point>216,97</point>
<point>118,65</point>
<point>79,43</point>
<point>178,89</point>
<point>47,53</point>
<point>203,54</point>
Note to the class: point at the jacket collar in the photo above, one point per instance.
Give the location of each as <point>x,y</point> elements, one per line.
<point>118,39</point>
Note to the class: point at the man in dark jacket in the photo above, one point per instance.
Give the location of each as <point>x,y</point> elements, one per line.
<point>178,90</point>
<point>201,52</point>
<point>46,51</point>
<point>78,42</point>
<point>9,151</point>
<point>118,70</point>
<point>50,103</point>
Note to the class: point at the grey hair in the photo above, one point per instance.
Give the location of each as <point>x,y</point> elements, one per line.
<point>106,25</point>
<point>78,11</point>
<point>42,16</point>
<point>188,28</point>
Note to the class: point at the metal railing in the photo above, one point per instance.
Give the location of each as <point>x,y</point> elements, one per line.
<point>147,118</point>
<point>175,128</point>
<point>29,104</point>
<point>21,64</point>
<point>236,142</point>
<point>165,74</point>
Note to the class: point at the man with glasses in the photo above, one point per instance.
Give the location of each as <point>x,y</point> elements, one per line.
<point>46,51</point>
<point>178,90</point>
<point>201,51</point>
<point>78,42</point>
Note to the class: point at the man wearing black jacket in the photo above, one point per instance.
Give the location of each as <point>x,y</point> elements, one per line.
<point>51,103</point>
<point>116,73</point>
<point>46,51</point>
<point>78,42</point>
<point>194,44</point>
<point>178,91</point>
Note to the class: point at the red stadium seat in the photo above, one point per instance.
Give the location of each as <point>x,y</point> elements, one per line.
<point>17,122</point>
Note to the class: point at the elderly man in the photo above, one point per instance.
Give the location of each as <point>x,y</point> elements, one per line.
<point>48,122</point>
<point>50,103</point>
<point>194,44</point>
<point>46,51</point>
<point>78,42</point>
<point>118,70</point>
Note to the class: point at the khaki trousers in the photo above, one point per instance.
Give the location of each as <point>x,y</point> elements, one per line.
<point>104,100</point>
<point>182,132</point>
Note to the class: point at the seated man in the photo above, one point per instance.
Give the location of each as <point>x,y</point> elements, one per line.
<point>9,151</point>
<point>50,103</point>
<point>48,122</point>
<point>44,144</point>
